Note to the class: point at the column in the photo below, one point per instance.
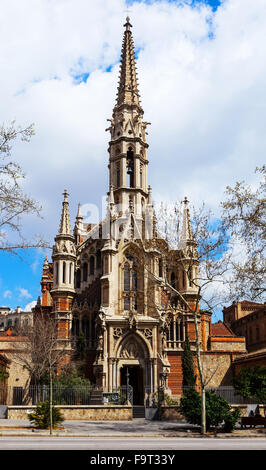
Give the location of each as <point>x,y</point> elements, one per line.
<point>117,385</point>
<point>174,332</point>
<point>179,332</point>
<point>151,374</point>
<point>113,374</point>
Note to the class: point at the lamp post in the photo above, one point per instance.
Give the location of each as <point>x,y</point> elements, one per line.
<point>127,376</point>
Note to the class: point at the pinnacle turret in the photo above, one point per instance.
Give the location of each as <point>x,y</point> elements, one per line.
<point>186,233</point>
<point>64,227</point>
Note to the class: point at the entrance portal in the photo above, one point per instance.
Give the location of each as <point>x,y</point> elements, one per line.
<point>133,375</point>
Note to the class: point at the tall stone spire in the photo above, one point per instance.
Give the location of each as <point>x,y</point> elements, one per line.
<point>128,85</point>
<point>128,161</point>
<point>64,227</point>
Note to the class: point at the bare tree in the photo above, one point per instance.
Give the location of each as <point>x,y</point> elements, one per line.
<point>41,352</point>
<point>200,249</point>
<point>244,216</point>
<point>14,203</point>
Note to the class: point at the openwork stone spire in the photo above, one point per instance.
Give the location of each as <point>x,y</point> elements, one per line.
<point>128,87</point>
<point>186,228</point>
<point>64,227</point>
<point>186,234</point>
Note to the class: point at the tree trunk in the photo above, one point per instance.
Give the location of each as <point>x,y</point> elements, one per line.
<point>203,402</point>
<point>51,404</point>
<point>203,411</point>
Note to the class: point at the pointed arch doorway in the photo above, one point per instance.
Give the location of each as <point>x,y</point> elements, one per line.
<point>133,358</point>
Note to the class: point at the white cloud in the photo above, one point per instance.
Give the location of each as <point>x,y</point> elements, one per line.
<point>205,98</point>
<point>24,293</point>
<point>7,293</point>
<point>29,306</point>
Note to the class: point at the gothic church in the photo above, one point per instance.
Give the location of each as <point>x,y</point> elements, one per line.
<point>106,281</point>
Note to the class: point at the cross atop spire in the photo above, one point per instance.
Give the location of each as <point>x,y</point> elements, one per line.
<point>64,227</point>
<point>128,86</point>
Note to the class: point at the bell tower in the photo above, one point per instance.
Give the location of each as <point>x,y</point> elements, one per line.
<point>128,148</point>
<point>64,258</point>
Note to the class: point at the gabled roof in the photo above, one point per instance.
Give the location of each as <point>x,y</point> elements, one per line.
<point>220,329</point>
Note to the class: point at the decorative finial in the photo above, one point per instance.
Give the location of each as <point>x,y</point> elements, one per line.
<point>79,215</point>
<point>65,194</point>
<point>149,195</point>
<point>128,25</point>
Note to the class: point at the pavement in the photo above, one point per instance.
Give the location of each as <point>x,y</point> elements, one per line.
<point>134,428</point>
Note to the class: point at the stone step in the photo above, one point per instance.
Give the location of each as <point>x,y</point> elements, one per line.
<point>96,397</point>
<point>138,411</point>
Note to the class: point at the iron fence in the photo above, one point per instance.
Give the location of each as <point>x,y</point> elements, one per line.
<point>64,395</point>
<point>119,396</point>
<point>230,395</point>
<point>89,395</point>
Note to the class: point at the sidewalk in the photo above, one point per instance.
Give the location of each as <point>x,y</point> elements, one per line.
<point>134,428</point>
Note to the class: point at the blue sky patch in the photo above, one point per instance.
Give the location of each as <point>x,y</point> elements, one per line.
<point>214,4</point>
<point>81,78</point>
<point>20,280</point>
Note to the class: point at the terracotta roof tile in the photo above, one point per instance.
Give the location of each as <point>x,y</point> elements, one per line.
<point>220,329</point>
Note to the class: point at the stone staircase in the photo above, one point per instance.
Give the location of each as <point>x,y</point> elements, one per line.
<point>96,397</point>
<point>138,411</point>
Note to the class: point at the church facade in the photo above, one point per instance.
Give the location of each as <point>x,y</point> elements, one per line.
<point>106,282</point>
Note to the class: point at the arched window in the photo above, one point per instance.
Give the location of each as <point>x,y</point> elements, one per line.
<point>98,259</point>
<point>64,273</point>
<point>78,278</point>
<point>130,168</point>
<point>85,326</point>
<point>189,273</point>
<point>130,281</point>
<point>173,280</point>
<point>134,277</point>
<point>141,176</point>
<point>160,268</point>
<point>75,327</point>
<point>118,182</point>
<point>91,265</point>
<point>56,273</point>
<point>70,273</point>
<point>126,278</point>
<point>85,272</point>
<point>184,279</point>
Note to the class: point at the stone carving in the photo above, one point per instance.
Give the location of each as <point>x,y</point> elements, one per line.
<point>118,332</point>
<point>130,351</point>
<point>132,321</point>
<point>147,332</point>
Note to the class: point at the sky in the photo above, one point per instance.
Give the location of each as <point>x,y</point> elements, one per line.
<point>201,69</point>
